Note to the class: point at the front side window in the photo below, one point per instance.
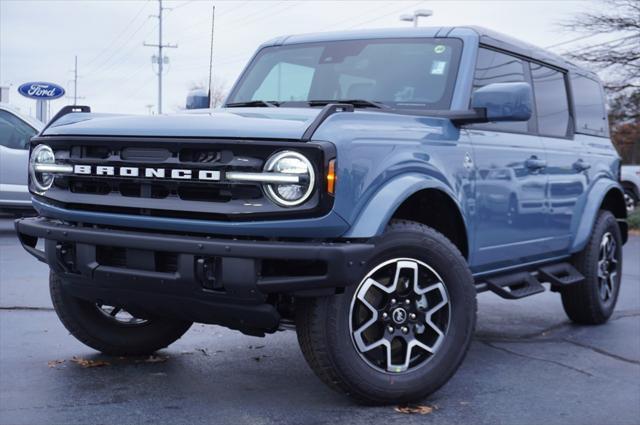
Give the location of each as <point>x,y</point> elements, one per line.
<point>14,133</point>
<point>495,67</point>
<point>588,101</point>
<point>401,73</point>
<point>552,106</point>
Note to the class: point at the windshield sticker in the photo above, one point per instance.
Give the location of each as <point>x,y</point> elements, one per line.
<point>439,48</point>
<point>438,67</point>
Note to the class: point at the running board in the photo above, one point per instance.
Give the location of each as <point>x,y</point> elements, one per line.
<point>522,284</point>
<point>515,286</point>
<point>560,275</point>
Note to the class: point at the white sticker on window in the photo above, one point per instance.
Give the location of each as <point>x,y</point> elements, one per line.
<point>437,67</point>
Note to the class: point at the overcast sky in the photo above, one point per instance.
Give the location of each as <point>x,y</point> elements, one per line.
<point>38,39</point>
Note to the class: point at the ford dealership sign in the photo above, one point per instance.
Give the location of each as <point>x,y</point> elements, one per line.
<point>41,91</point>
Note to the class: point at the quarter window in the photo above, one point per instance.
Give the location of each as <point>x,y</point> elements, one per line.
<point>589,106</point>
<point>496,67</point>
<point>552,106</point>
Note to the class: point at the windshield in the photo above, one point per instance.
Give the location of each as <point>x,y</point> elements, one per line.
<point>400,73</point>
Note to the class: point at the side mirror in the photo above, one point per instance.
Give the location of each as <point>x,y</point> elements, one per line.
<point>504,101</point>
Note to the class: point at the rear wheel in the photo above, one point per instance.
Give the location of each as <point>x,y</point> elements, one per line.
<point>592,302</point>
<point>111,329</point>
<point>630,200</point>
<point>402,332</point>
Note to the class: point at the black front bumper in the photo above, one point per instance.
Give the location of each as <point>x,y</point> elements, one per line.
<point>203,279</point>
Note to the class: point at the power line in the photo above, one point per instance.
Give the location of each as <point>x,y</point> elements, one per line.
<point>562,43</point>
<point>113,42</point>
<point>615,40</point>
<point>105,64</point>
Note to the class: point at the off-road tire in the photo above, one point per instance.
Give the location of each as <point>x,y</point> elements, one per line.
<point>324,333</point>
<point>582,302</point>
<point>91,327</point>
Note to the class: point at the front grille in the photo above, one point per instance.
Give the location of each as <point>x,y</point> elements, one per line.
<point>167,197</point>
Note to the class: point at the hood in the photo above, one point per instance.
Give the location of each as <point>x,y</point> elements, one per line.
<point>246,123</point>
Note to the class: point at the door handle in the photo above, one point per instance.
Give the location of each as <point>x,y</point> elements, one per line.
<point>534,163</point>
<point>580,165</point>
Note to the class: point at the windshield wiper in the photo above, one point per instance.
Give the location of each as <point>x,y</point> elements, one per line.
<point>254,103</point>
<point>358,103</point>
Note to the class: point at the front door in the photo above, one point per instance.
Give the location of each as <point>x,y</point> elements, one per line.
<point>510,182</point>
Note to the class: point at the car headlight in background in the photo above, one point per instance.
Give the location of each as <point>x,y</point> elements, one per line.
<point>41,155</point>
<point>295,164</point>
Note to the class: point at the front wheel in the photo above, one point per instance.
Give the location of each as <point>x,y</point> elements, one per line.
<point>111,329</point>
<point>402,332</point>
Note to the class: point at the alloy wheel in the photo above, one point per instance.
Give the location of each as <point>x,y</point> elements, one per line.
<point>607,266</point>
<point>399,315</point>
<point>630,203</point>
<point>120,315</point>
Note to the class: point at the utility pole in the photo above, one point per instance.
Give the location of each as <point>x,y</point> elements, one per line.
<point>75,96</point>
<point>213,20</point>
<point>160,59</point>
<point>75,82</point>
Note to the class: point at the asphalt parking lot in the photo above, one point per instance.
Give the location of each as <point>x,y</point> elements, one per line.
<point>527,365</point>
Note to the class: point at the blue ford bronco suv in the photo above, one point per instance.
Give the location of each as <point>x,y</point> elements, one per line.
<point>358,187</point>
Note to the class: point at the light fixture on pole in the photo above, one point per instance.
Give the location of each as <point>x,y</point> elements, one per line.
<point>420,13</point>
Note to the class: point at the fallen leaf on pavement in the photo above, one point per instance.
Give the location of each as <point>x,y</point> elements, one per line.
<point>258,358</point>
<point>155,359</point>
<point>414,409</point>
<point>54,363</point>
<point>89,363</point>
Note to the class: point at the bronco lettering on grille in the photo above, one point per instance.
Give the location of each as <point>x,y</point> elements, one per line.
<point>152,173</point>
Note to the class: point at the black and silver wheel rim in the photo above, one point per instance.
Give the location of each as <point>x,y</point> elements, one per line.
<point>607,267</point>
<point>629,202</point>
<point>120,316</point>
<point>399,315</point>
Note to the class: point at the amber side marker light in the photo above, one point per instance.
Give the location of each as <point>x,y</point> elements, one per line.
<point>331,177</point>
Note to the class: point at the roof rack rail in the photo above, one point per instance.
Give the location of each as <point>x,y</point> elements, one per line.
<point>67,109</point>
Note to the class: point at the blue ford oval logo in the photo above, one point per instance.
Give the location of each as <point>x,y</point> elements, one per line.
<point>40,90</point>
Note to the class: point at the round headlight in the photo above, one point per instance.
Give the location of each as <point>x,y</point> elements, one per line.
<point>41,154</point>
<point>295,164</point>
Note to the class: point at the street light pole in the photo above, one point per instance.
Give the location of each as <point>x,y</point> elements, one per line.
<point>424,13</point>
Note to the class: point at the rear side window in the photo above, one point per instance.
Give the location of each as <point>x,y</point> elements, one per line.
<point>588,101</point>
<point>495,67</point>
<point>552,105</point>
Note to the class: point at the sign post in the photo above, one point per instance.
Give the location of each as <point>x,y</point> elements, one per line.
<point>42,92</point>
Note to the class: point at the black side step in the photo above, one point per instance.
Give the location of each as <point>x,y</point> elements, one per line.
<point>560,275</point>
<point>515,286</point>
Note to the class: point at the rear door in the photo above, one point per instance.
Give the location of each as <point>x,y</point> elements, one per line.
<point>510,176</point>
<point>14,155</point>
<point>567,167</point>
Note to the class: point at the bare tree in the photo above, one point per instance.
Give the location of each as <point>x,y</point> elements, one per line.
<point>617,60</point>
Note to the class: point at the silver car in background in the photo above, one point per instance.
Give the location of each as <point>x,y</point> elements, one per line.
<point>15,132</point>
